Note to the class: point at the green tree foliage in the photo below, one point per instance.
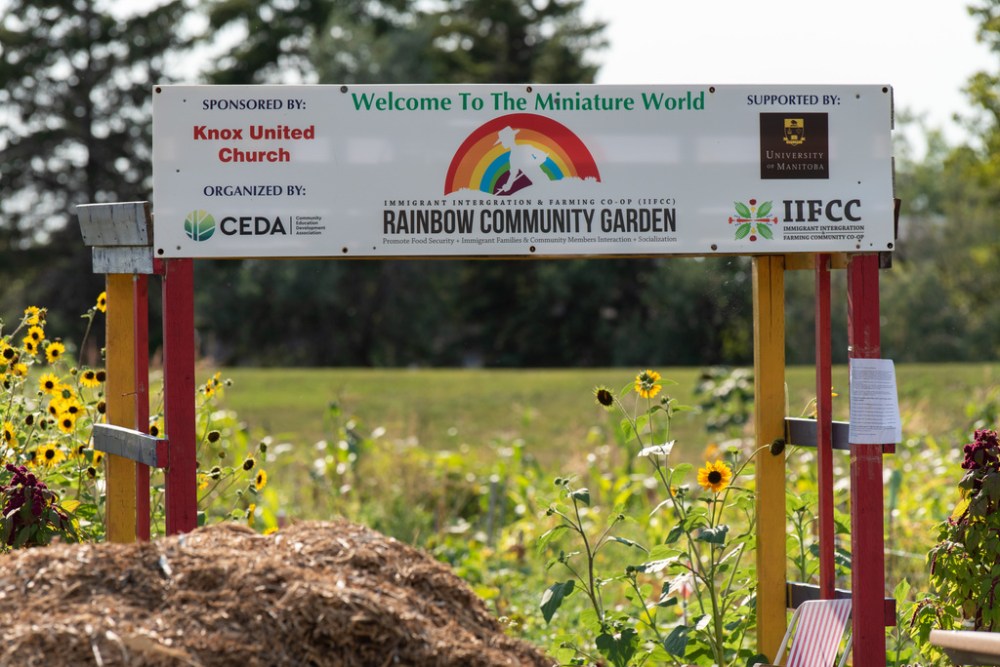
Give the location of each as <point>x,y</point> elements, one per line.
<point>410,312</point>
<point>939,300</point>
<point>74,129</point>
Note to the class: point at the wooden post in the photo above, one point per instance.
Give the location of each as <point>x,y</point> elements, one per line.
<point>120,237</point>
<point>824,429</point>
<point>179,395</point>
<point>769,424</point>
<point>121,406</point>
<point>867,504</point>
<point>140,290</point>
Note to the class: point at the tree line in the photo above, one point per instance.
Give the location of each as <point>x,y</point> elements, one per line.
<point>75,100</point>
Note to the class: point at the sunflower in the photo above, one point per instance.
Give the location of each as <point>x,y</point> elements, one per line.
<point>647,383</point>
<point>7,353</point>
<point>29,345</point>
<point>49,383</point>
<point>71,407</point>
<point>88,378</point>
<point>260,481</point>
<point>36,333</point>
<point>212,385</point>
<point>102,302</point>
<point>249,463</point>
<point>9,435</point>
<point>67,422</point>
<point>54,351</point>
<point>49,454</point>
<point>604,397</point>
<point>33,315</point>
<point>250,512</point>
<point>715,477</point>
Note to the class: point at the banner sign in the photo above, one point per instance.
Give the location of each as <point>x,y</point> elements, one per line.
<point>529,170</point>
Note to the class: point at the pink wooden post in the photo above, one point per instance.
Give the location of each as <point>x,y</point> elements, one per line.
<point>179,395</point>
<point>867,505</point>
<point>140,287</point>
<point>824,429</point>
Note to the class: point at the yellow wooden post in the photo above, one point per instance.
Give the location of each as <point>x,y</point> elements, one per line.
<point>121,396</point>
<point>769,424</point>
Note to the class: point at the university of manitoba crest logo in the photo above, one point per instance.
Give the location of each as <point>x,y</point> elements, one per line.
<point>795,131</point>
<point>794,145</point>
<point>753,221</point>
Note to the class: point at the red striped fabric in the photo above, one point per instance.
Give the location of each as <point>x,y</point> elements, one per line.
<point>819,632</point>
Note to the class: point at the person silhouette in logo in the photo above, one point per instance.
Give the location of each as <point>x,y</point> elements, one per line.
<point>525,161</point>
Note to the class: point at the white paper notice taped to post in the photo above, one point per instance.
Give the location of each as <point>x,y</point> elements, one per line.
<point>874,403</point>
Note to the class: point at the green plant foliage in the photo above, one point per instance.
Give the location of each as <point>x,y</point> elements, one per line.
<point>52,483</point>
<point>700,541</point>
<point>965,564</point>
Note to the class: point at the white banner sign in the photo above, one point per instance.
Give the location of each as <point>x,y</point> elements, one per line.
<point>561,170</point>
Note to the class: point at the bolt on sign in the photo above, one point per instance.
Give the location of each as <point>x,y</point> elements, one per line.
<point>532,170</point>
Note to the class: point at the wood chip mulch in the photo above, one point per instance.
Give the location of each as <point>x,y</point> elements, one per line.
<point>315,593</point>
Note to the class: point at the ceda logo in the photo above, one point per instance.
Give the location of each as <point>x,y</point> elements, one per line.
<point>199,225</point>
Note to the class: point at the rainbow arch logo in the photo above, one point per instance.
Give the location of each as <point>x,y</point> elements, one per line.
<point>515,151</point>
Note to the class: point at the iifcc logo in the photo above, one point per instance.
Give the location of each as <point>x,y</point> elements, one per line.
<point>199,225</point>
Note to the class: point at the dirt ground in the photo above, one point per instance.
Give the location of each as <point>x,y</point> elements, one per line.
<point>330,593</point>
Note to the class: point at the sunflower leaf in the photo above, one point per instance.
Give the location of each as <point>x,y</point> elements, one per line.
<point>553,596</point>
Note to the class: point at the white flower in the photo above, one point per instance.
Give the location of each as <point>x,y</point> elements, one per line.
<point>658,450</point>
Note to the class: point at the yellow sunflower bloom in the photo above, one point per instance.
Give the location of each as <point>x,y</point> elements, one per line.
<point>9,435</point>
<point>715,477</point>
<point>261,480</point>
<point>49,383</point>
<point>36,333</point>
<point>66,422</point>
<point>88,378</point>
<point>29,345</point>
<point>54,352</point>
<point>647,383</point>
<point>102,302</point>
<point>250,512</point>
<point>49,454</point>
<point>33,315</point>
<point>8,354</point>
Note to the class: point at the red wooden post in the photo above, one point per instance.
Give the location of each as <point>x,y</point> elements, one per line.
<point>867,504</point>
<point>140,287</point>
<point>824,429</point>
<point>179,396</point>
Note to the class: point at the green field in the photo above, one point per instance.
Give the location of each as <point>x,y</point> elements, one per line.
<point>553,410</point>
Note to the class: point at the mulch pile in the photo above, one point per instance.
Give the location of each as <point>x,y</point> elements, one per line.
<point>330,593</point>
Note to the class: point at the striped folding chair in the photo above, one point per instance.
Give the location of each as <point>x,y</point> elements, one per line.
<point>817,630</point>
